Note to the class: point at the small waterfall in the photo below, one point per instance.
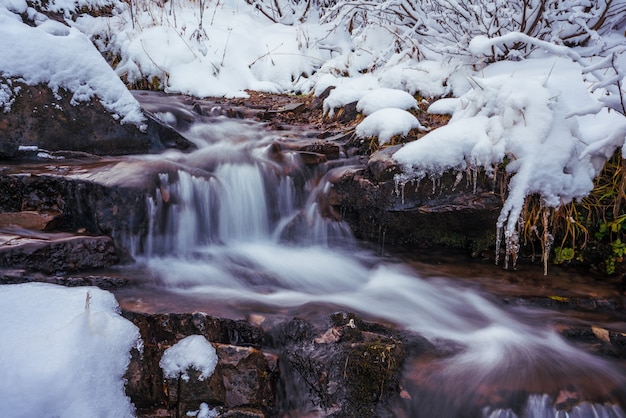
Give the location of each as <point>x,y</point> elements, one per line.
<point>180,215</point>
<point>238,203</point>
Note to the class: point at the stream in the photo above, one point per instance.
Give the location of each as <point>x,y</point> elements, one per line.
<point>240,227</point>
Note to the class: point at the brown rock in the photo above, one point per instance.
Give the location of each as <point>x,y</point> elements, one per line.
<point>39,117</point>
<point>242,378</point>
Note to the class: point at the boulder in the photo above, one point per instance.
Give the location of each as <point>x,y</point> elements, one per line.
<point>243,376</point>
<point>350,368</point>
<point>49,121</point>
<point>76,204</point>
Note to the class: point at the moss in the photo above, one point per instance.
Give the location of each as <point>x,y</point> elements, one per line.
<point>372,373</point>
<point>590,232</point>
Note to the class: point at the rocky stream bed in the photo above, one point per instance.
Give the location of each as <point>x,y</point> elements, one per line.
<point>75,212</point>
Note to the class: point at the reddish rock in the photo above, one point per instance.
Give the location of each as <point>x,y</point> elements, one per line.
<point>58,252</point>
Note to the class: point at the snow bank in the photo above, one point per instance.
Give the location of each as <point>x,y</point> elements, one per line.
<point>190,352</point>
<point>525,112</point>
<point>60,57</point>
<point>64,352</point>
<point>233,52</point>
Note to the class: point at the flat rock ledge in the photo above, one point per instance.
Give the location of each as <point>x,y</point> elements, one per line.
<point>55,252</point>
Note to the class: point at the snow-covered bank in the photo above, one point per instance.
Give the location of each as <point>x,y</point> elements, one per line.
<point>58,56</point>
<point>536,114</point>
<point>64,352</point>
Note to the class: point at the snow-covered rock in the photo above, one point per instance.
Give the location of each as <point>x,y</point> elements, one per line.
<point>386,123</point>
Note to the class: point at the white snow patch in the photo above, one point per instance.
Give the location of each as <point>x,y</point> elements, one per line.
<point>386,123</point>
<point>428,78</point>
<point>64,352</point>
<point>194,352</point>
<point>385,98</point>
<point>62,57</point>
<point>341,97</point>
<point>204,412</point>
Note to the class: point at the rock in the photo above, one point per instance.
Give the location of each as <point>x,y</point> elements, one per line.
<point>242,378</point>
<point>14,276</point>
<point>58,252</point>
<point>312,158</point>
<point>145,384</point>
<point>343,370</point>
<point>382,166</point>
<point>29,220</point>
<point>445,212</point>
<point>42,118</point>
<point>601,341</point>
<point>81,204</point>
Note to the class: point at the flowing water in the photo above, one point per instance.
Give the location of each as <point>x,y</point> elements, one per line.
<point>241,224</point>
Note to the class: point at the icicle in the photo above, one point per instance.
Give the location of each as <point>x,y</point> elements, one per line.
<point>474,179</point>
<point>547,242</point>
<point>457,180</point>
<point>498,243</point>
<point>512,248</point>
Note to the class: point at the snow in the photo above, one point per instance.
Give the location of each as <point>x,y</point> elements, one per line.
<point>426,78</point>
<point>194,352</point>
<point>204,412</point>
<point>234,51</point>
<point>385,98</point>
<point>64,352</point>
<point>386,123</point>
<point>522,111</point>
<point>61,57</point>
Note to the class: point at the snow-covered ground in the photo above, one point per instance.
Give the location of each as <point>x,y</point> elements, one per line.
<point>556,117</point>
<point>64,352</point>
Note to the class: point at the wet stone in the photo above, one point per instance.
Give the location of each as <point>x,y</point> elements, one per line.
<point>342,370</point>
<point>242,378</point>
<point>56,252</point>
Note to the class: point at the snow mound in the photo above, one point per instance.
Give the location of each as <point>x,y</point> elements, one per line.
<point>340,97</point>
<point>232,52</point>
<point>190,352</point>
<point>385,98</point>
<point>63,353</point>
<point>62,57</point>
<point>386,123</point>
<point>428,78</point>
